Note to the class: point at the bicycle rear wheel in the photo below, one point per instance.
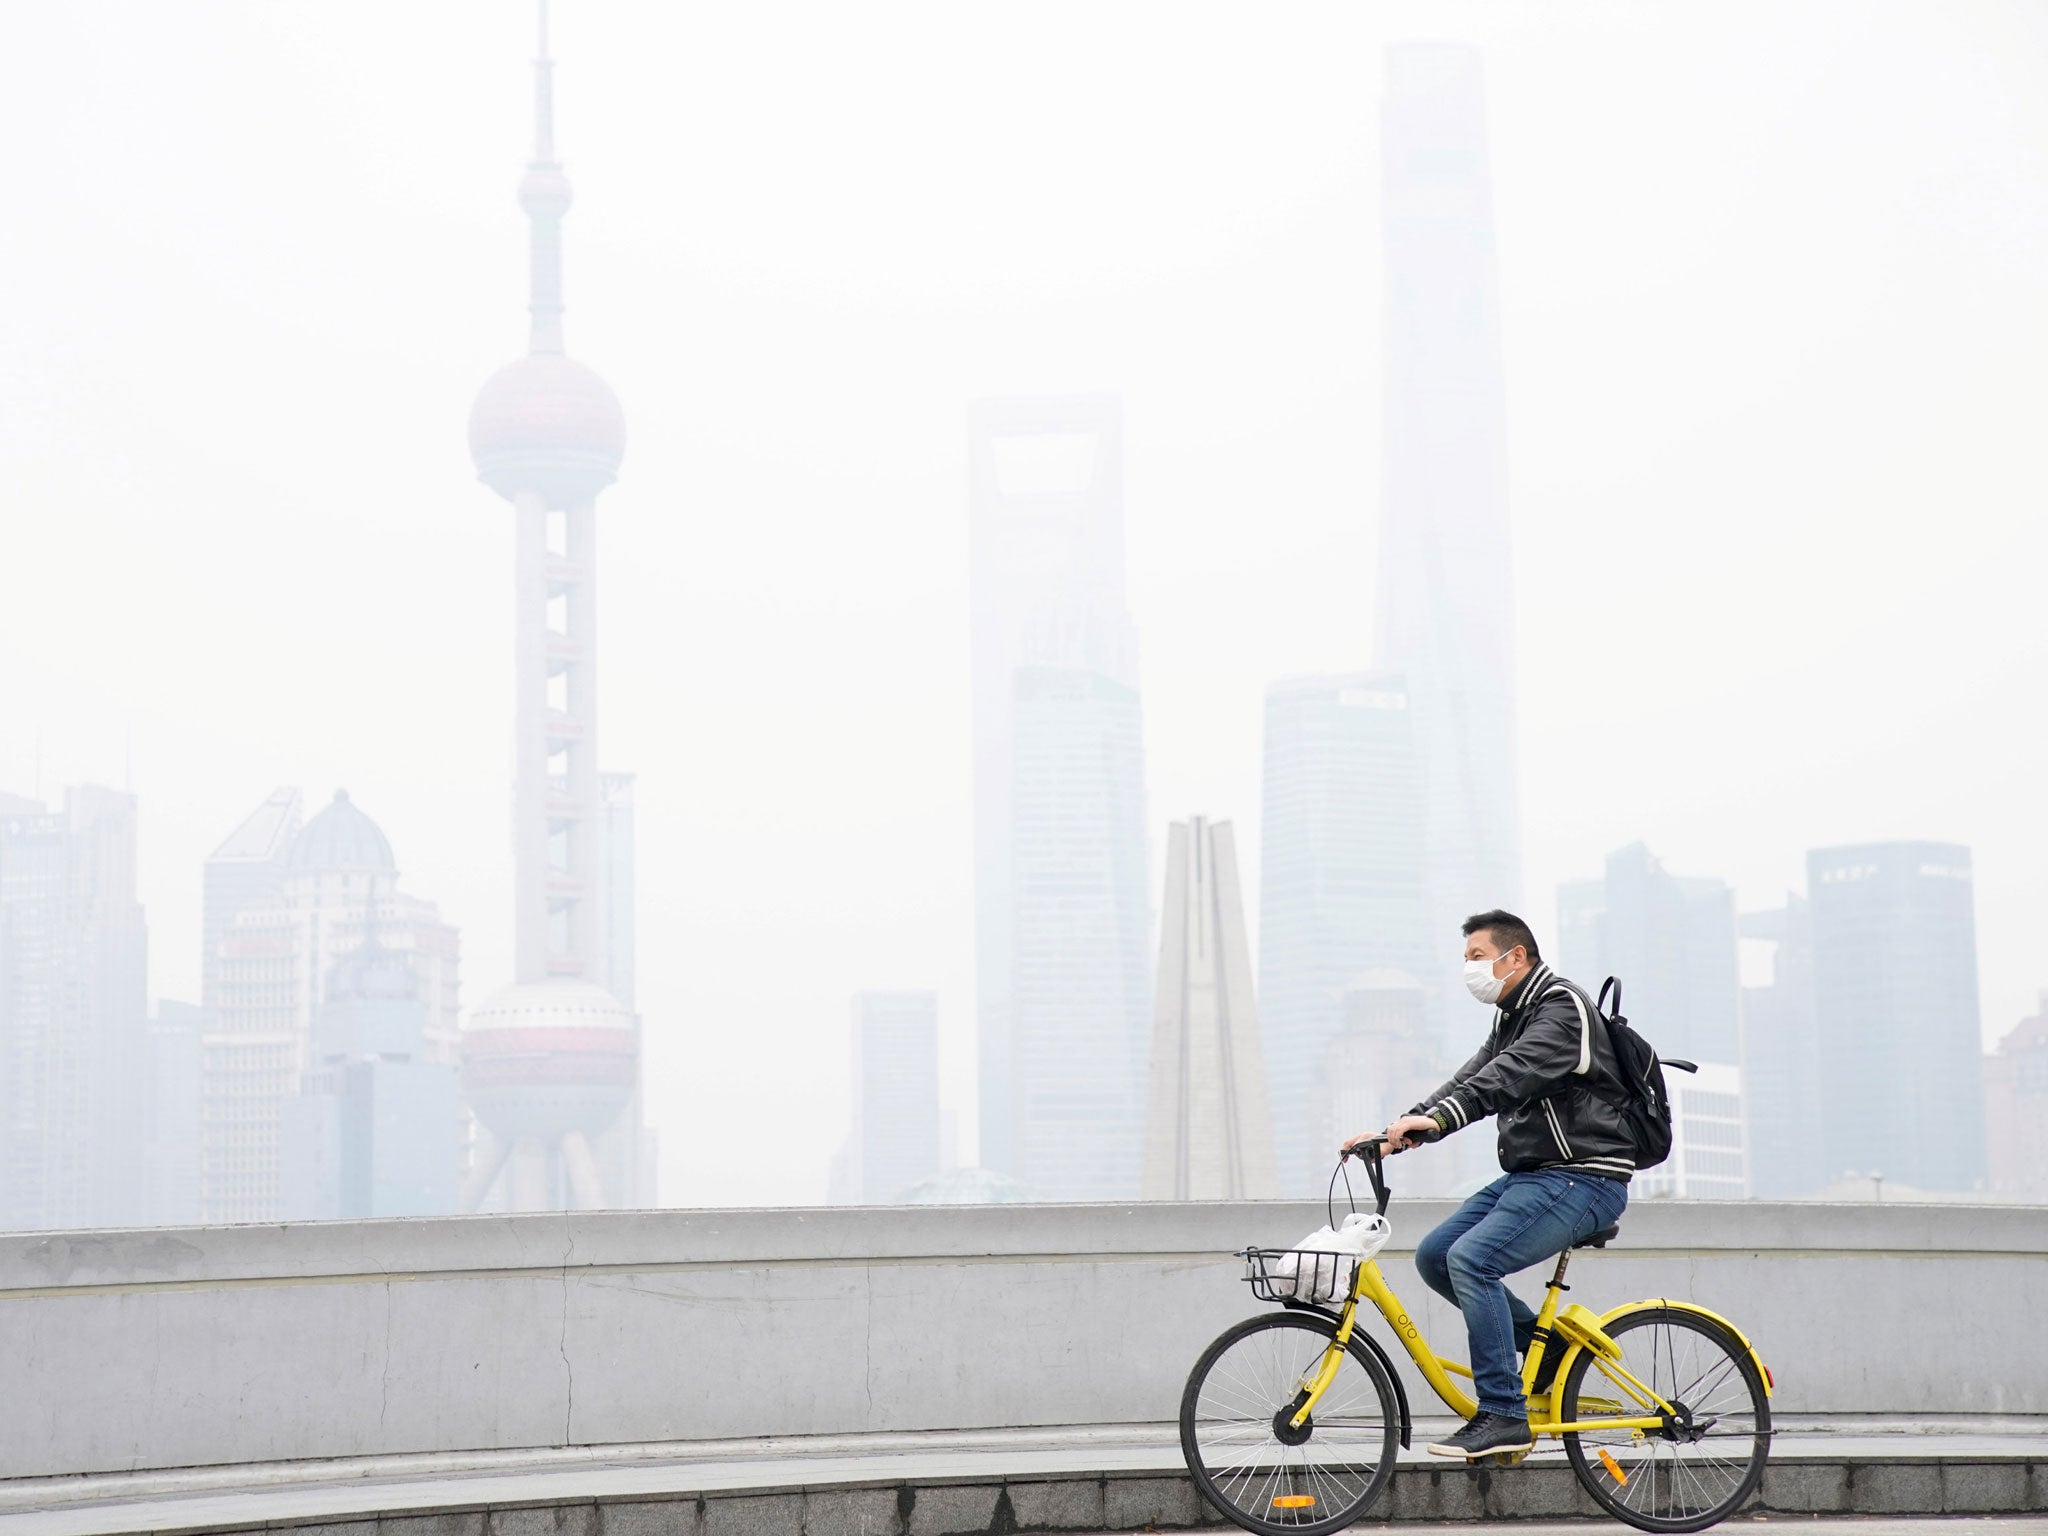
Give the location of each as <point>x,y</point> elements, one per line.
<point>1703,1467</point>
<point>1250,1464</point>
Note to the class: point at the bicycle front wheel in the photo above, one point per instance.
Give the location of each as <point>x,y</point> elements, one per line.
<point>1706,1463</point>
<point>1252,1463</point>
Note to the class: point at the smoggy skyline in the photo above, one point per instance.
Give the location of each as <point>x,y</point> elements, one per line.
<point>1772,320</point>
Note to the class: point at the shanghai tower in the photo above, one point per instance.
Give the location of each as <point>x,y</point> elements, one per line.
<point>1446,613</point>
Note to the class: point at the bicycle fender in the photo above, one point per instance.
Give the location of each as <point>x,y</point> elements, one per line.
<point>1564,1366</point>
<point>1770,1386</point>
<point>1360,1336</point>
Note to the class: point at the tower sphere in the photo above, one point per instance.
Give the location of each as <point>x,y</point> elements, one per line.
<point>549,1057</point>
<point>547,425</point>
<point>544,192</point>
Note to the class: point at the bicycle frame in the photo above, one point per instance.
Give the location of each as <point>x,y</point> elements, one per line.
<point>1369,1284</point>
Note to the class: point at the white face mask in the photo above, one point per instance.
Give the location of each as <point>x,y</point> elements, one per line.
<point>1481,982</point>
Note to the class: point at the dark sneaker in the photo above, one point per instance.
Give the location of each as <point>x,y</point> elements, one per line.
<point>1546,1371</point>
<point>1484,1434</point>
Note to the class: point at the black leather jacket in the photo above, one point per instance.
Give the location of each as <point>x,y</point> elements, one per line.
<point>1547,1070</point>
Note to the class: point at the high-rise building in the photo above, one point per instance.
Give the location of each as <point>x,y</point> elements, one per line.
<point>640,1182</point>
<point>1342,887</point>
<point>1709,1146</point>
<point>1781,1059</point>
<point>547,434</point>
<point>619,896</point>
<point>1208,1125</point>
<point>1382,1062</point>
<point>1062,921</point>
<point>245,872</point>
<point>1446,613</point>
<point>173,1090</point>
<point>374,1127</point>
<point>2016,1111</point>
<point>73,1013</point>
<point>893,1145</point>
<point>1895,994</point>
<point>339,883</point>
<point>1671,941</point>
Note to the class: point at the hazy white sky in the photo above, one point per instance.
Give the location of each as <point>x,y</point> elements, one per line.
<point>1776,331</point>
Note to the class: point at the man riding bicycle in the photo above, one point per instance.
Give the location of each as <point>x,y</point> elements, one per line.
<point>1547,1071</point>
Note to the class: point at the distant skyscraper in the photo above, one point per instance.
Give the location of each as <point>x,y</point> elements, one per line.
<point>1781,1060</point>
<point>245,872</point>
<point>1062,920</point>
<point>1208,1124</point>
<point>2016,1111</point>
<point>547,435</point>
<point>1382,1061</point>
<point>894,1142</point>
<point>1446,582</point>
<point>619,901</point>
<point>1895,989</point>
<point>73,1013</point>
<point>621,911</point>
<point>1709,1146</point>
<point>1341,883</point>
<point>1671,941</point>
<point>171,1097</point>
<point>339,881</point>
<point>374,1128</point>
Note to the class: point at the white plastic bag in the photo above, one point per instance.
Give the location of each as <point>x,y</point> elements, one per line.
<point>1319,1266</point>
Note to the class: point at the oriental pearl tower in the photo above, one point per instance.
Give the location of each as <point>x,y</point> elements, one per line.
<point>551,1064</point>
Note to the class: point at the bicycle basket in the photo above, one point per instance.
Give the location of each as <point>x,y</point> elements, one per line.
<point>1300,1274</point>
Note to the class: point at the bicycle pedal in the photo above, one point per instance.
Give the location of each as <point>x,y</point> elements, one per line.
<point>1505,1458</point>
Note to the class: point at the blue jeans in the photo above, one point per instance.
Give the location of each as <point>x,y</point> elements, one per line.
<point>1518,1220</point>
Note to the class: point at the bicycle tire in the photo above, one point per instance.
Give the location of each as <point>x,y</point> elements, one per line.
<point>1703,1365</point>
<point>1343,1477</point>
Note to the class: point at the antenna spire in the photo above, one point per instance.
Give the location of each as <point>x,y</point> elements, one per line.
<point>543,96</point>
<point>544,194</point>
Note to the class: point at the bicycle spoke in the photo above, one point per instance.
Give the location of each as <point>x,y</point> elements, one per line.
<point>1339,1461</point>
<point>1705,1466</point>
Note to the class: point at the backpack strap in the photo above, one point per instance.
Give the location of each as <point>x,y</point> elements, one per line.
<point>1586,1017</point>
<point>1611,984</point>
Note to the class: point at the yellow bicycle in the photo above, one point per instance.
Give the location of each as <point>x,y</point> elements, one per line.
<point>1290,1420</point>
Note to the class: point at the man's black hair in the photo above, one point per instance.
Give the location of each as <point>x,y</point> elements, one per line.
<point>1506,930</point>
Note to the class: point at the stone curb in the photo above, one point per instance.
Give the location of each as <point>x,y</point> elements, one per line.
<point>1141,1501</point>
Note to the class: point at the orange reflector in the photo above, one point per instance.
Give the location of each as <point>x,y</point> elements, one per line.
<point>1613,1467</point>
<point>1770,1380</point>
<point>1295,1501</point>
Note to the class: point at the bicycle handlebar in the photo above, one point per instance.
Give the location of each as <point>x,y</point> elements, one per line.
<point>1359,1148</point>
<point>1371,1150</point>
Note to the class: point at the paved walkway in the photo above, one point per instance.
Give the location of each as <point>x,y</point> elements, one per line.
<point>1132,1458</point>
<point>1833,1525</point>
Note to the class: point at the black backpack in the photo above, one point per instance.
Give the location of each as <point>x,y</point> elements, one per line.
<point>1646,1106</point>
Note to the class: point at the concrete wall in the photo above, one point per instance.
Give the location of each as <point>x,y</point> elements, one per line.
<point>194,1346</point>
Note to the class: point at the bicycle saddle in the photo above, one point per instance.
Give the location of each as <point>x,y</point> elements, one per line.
<point>1599,1239</point>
